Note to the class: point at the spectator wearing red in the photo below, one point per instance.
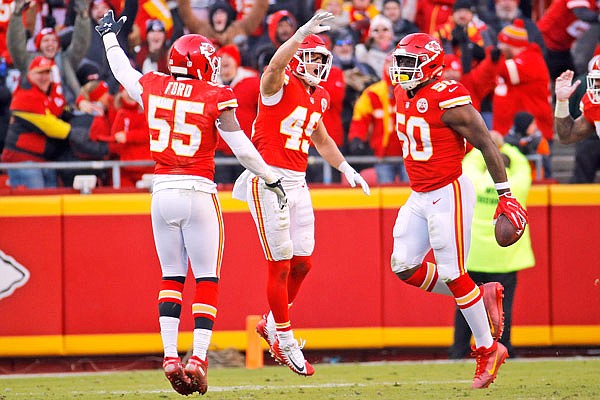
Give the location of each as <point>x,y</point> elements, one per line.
<point>35,132</point>
<point>561,24</point>
<point>522,84</point>
<point>432,13</point>
<point>131,140</point>
<point>97,93</point>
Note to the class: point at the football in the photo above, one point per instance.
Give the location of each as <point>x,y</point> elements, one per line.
<point>505,232</point>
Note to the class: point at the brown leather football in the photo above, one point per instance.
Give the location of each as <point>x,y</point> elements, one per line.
<point>505,232</point>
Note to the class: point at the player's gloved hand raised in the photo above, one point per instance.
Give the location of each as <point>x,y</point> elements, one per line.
<point>510,207</point>
<point>314,25</point>
<point>354,177</point>
<point>563,87</point>
<point>108,24</point>
<point>277,188</point>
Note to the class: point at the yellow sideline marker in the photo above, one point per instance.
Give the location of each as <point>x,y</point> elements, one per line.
<point>254,351</point>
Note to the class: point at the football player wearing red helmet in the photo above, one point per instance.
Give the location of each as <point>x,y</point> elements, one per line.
<point>289,120</point>
<point>433,119</point>
<point>186,113</point>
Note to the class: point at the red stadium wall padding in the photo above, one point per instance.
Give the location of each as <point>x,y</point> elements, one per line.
<point>94,269</point>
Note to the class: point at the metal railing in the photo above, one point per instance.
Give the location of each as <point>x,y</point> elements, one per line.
<point>116,165</point>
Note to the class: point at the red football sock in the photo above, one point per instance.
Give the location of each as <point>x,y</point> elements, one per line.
<point>277,293</point>
<point>465,291</point>
<point>204,308</point>
<point>425,277</point>
<point>300,266</point>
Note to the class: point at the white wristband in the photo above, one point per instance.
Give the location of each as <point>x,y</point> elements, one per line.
<point>502,185</point>
<point>344,166</point>
<point>299,36</point>
<point>562,109</point>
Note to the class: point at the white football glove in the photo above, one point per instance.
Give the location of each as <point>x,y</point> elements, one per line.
<point>563,87</point>
<point>314,27</point>
<point>354,177</point>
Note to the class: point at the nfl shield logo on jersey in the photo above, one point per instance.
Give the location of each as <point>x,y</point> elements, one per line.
<point>323,105</point>
<point>422,105</point>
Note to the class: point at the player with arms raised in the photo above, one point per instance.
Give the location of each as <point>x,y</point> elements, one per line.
<point>289,119</point>
<point>434,117</point>
<point>186,110</point>
<point>571,130</point>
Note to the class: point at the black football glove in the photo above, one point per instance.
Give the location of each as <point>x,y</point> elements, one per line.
<point>108,24</point>
<point>276,188</point>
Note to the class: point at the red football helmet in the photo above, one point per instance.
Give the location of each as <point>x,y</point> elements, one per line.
<point>417,58</point>
<point>305,63</point>
<point>194,56</point>
<point>593,80</point>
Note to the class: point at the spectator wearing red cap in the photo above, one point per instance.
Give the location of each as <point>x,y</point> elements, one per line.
<point>522,84</point>
<point>245,83</point>
<point>47,44</point>
<point>35,132</point>
<point>154,52</point>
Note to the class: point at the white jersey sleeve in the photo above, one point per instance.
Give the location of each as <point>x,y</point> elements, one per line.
<point>121,68</point>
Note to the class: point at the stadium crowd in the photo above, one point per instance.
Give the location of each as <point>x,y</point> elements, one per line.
<point>59,100</point>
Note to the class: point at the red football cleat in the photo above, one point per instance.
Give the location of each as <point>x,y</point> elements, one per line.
<point>488,362</point>
<point>493,292</point>
<point>197,370</point>
<point>174,373</point>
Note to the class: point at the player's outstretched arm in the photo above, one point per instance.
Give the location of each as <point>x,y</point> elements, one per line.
<point>246,153</point>
<point>330,152</point>
<point>273,76</point>
<point>568,129</point>
<point>119,64</point>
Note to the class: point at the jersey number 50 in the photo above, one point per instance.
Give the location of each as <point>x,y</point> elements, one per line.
<point>415,136</point>
<point>164,140</point>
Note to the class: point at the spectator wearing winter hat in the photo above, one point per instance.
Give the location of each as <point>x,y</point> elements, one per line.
<point>379,44</point>
<point>154,52</point>
<point>47,44</point>
<point>522,84</point>
<point>36,133</point>
<point>505,12</point>
<point>392,9</point>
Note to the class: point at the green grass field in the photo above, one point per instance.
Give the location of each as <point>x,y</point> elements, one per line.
<point>561,378</point>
